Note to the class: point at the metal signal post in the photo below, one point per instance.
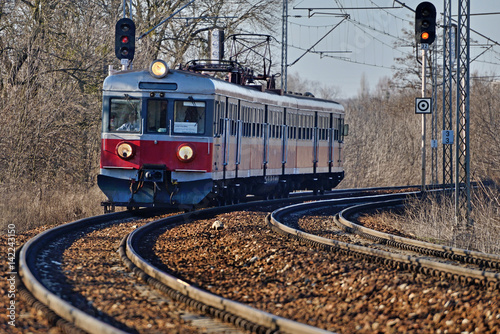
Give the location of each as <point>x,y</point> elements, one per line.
<point>425,34</point>
<point>424,84</point>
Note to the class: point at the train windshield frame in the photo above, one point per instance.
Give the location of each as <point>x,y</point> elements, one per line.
<point>189,117</point>
<point>125,115</point>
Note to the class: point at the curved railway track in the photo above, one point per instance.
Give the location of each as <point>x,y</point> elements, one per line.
<point>45,281</point>
<point>74,276</point>
<point>42,260</point>
<point>400,252</point>
<point>138,260</point>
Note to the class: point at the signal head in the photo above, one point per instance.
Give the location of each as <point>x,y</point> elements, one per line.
<point>125,39</point>
<point>425,23</point>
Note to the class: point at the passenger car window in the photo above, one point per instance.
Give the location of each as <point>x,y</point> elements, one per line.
<point>189,117</point>
<point>124,115</point>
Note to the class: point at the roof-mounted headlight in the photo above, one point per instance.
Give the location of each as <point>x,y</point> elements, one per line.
<point>158,69</point>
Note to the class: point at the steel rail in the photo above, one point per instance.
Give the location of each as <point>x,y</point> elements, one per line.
<point>409,262</point>
<point>29,274</point>
<point>213,304</point>
<point>454,253</point>
<point>252,315</point>
<point>62,311</point>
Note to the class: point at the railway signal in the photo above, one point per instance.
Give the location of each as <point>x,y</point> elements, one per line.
<point>425,23</point>
<point>125,39</point>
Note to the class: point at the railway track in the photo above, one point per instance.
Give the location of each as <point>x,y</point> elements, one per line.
<point>56,288</point>
<point>73,275</point>
<point>466,266</point>
<point>97,313</point>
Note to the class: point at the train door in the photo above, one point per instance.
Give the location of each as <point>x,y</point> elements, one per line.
<point>275,141</point>
<point>341,132</point>
<point>305,131</point>
<point>239,139</point>
<point>256,141</point>
<point>323,124</point>
<point>331,142</point>
<point>230,136</point>
<point>290,138</point>
<point>315,142</point>
<point>218,147</point>
<point>336,142</point>
<point>245,140</point>
<point>284,145</point>
<point>265,157</point>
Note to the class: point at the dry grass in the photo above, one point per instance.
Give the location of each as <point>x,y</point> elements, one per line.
<point>433,219</point>
<point>32,207</point>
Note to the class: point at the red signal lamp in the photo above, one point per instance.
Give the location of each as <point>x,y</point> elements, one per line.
<point>425,36</point>
<point>125,39</point>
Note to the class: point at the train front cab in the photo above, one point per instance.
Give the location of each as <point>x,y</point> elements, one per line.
<point>156,148</point>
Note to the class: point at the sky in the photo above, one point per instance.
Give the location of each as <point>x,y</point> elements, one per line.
<point>363,44</point>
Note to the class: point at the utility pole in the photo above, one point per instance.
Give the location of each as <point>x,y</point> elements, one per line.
<point>462,152</point>
<point>448,64</point>
<point>284,46</point>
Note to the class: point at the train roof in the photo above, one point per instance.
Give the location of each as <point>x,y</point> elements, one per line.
<point>186,82</point>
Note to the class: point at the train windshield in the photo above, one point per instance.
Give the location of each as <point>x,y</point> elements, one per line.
<point>189,117</point>
<point>157,116</point>
<point>124,115</point>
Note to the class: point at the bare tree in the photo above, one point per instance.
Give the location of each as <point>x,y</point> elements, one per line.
<point>298,84</point>
<point>185,36</point>
<point>53,56</point>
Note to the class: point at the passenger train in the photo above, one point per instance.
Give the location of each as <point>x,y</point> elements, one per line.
<point>182,138</point>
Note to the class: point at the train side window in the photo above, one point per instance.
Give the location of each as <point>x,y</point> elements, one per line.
<point>253,121</point>
<point>323,134</point>
<point>157,116</point>
<point>291,127</point>
<point>246,122</point>
<point>309,128</point>
<point>336,130</point>
<point>233,115</point>
<point>189,117</point>
<point>222,117</point>
<point>299,127</point>
<point>125,115</point>
<point>243,122</point>
<point>216,118</point>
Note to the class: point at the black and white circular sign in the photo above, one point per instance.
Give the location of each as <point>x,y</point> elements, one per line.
<point>423,105</point>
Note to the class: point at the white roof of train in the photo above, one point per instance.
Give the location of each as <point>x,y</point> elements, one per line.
<point>195,83</point>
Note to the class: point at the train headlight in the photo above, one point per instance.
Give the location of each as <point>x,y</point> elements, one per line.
<point>125,151</point>
<point>185,153</point>
<point>158,69</point>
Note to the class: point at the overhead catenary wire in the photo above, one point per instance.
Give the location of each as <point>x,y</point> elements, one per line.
<point>367,26</point>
